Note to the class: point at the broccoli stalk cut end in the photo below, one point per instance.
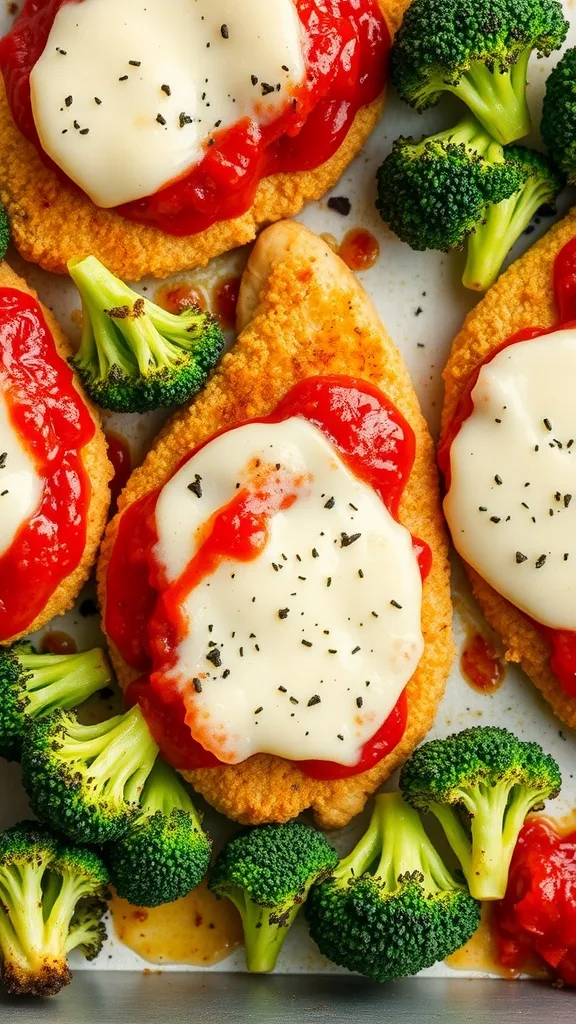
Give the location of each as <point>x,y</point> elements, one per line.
<point>134,356</point>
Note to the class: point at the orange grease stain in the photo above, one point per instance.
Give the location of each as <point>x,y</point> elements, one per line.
<point>359,249</point>
<point>198,929</point>
<point>175,298</point>
<point>225,300</point>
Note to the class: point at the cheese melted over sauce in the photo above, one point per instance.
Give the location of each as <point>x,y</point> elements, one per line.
<point>128,93</point>
<point>20,485</point>
<point>511,507</point>
<point>317,637</point>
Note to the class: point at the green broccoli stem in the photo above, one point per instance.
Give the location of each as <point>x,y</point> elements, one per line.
<point>363,855</point>
<point>494,835</point>
<point>22,933</point>
<point>62,680</point>
<point>122,328</point>
<point>469,133</point>
<point>263,938</point>
<point>406,847</point>
<point>121,753</point>
<point>456,835</point>
<point>165,793</point>
<point>504,222</point>
<point>71,889</point>
<point>497,98</point>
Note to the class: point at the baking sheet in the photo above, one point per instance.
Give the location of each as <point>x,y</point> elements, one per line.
<point>422,303</point>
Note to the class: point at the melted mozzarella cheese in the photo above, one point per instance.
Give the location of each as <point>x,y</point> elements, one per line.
<point>127,92</point>
<point>511,506</point>
<point>20,484</point>
<point>318,636</point>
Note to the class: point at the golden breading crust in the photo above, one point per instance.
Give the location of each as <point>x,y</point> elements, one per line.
<point>98,468</point>
<point>522,297</point>
<point>312,317</point>
<point>53,221</point>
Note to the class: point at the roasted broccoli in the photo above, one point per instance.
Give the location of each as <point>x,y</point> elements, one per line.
<point>164,854</point>
<point>559,114</point>
<point>267,872</point>
<point>32,685</point>
<point>491,778</point>
<point>462,186</point>
<point>133,355</point>
<point>478,50</point>
<point>87,780</point>
<point>5,233</point>
<point>504,222</point>
<point>52,900</point>
<point>391,908</point>
<point>434,192</point>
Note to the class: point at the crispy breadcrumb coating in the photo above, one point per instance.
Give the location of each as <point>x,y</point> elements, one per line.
<point>98,468</point>
<point>522,297</point>
<point>53,221</point>
<point>309,315</point>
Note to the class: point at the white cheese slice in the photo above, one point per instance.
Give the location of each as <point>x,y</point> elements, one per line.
<point>318,681</point>
<point>127,92</point>
<point>511,506</point>
<point>20,484</point>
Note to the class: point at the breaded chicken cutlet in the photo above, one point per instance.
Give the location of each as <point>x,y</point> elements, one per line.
<point>98,470</point>
<point>53,221</point>
<point>523,297</point>
<point>301,313</point>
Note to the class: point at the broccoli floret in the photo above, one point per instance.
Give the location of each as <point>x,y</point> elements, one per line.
<point>559,114</point>
<point>5,233</point>
<point>504,222</point>
<point>52,899</point>
<point>478,50</point>
<point>433,192</point>
<point>480,784</point>
<point>133,355</point>
<point>32,685</point>
<point>164,854</point>
<point>391,908</point>
<point>267,872</point>
<point>87,780</point>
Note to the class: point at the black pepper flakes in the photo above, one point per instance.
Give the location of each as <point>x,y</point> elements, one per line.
<point>355,651</point>
<point>184,119</point>
<point>346,539</point>
<point>306,643</point>
<point>540,561</point>
<point>293,700</point>
<point>313,700</point>
<point>224,32</point>
<point>497,479</point>
<point>494,519</point>
<point>547,423</point>
<point>166,88</point>
<point>135,63</point>
<point>395,604</point>
<point>123,78</point>
<point>215,657</point>
<point>161,120</point>
<point>340,204</point>
<point>520,557</point>
<point>258,710</point>
<point>196,485</point>
<point>359,702</point>
<point>197,684</point>
<point>68,101</point>
<point>330,503</point>
<point>567,500</point>
<point>267,89</point>
<point>253,79</point>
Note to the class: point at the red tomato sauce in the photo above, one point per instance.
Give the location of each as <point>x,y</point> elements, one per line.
<point>480,664</point>
<point>562,641</point>
<point>538,913</point>
<point>347,43</point>
<point>58,642</point>
<point>143,615</point>
<point>55,425</point>
<point>225,300</point>
<point>121,459</point>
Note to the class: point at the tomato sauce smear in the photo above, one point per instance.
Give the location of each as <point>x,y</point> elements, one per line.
<point>538,912</point>
<point>54,424</point>
<point>562,641</point>
<point>143,616</point>
<point>346,48</point>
